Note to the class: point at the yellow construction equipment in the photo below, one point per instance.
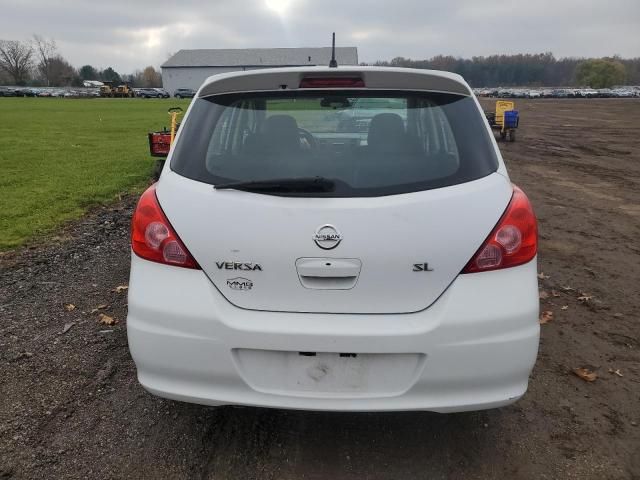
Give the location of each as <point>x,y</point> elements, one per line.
<point>106,90</point>
<point>122,91</point>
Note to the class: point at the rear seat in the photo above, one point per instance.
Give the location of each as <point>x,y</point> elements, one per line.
<point>394,156</point>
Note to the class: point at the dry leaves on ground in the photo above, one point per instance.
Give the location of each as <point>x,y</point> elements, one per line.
<point>585,374</point>
<point>69,307</point>
<point>107,320</point>
<point>542,276</point>
<point>585,297</point>
<point>121,288</point>
<point>543,294</point>
<point>616,372</point>
<point>100,307</point>
<point>67,326</point>
<point>546,317</point>
<point>564,307</point>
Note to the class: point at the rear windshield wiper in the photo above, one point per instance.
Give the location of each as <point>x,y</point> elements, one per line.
<point>296,184</point>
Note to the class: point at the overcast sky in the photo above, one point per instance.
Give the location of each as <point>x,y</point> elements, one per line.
<point>129,35</point>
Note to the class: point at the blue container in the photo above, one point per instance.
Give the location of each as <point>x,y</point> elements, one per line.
<point>511,119</point>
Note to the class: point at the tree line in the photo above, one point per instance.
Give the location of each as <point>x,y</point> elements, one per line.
<point>541,69</point>
<point>37,62</point>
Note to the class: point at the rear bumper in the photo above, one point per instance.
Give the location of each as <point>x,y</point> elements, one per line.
<point>473,349</point>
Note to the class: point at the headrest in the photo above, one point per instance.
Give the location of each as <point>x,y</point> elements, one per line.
<point>386,132</point>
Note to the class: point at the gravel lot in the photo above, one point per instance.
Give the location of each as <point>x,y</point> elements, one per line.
<point>70,405</point>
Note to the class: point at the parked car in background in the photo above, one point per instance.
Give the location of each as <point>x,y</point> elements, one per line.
<point>568,92</point>
<point>7,92</point>
<point>184,93</point>
<point>623,93</point>
<point>25,92</point>
<point>148,93</point>
<point>163,93</point>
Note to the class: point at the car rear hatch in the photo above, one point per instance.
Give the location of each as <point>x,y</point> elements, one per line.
<point>402,252</point>
<point>389,237</point>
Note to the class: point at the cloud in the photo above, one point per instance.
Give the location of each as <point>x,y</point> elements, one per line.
<point>129,35</point>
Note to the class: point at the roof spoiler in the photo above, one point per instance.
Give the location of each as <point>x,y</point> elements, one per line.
<point>376,78</point>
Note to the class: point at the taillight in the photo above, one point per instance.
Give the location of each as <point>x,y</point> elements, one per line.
<point>332,82</point>
<point>153,237</point>
<point>513,241</point>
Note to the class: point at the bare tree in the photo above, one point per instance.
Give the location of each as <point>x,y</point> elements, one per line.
<point>61,72</point>
<point>151,77</point>
<point>46,51</point>
<point>16,58</point>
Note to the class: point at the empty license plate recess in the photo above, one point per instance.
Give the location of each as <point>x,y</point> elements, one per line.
<point>334,375</point>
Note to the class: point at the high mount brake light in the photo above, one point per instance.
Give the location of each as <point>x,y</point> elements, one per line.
<point>332,82</point>
<point>513,241</point>
<point>152,236</point>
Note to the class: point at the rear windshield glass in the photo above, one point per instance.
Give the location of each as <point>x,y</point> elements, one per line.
<point>370,143</point>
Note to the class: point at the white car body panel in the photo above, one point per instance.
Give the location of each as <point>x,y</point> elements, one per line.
<point>476,346</point>
<point>442,227</point>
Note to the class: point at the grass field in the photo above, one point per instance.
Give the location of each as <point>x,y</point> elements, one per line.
<point>60,156</point>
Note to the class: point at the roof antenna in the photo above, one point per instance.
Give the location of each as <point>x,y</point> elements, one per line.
<point>333,63</point>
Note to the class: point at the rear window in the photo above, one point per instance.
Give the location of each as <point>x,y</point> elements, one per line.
<point>372,143</point>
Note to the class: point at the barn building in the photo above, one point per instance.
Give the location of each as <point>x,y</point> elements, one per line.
<point>189,68</point>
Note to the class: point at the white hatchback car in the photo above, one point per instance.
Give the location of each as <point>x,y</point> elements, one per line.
<point>293,255</point>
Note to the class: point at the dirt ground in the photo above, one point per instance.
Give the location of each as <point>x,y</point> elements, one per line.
<point>70,405</point>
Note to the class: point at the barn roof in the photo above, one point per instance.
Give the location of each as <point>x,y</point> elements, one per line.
<point>261,57</point>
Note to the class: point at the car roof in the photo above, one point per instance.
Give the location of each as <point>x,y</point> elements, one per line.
<point>378,78</point>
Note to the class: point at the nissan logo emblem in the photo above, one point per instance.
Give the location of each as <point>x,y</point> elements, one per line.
<point>327,237</point>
